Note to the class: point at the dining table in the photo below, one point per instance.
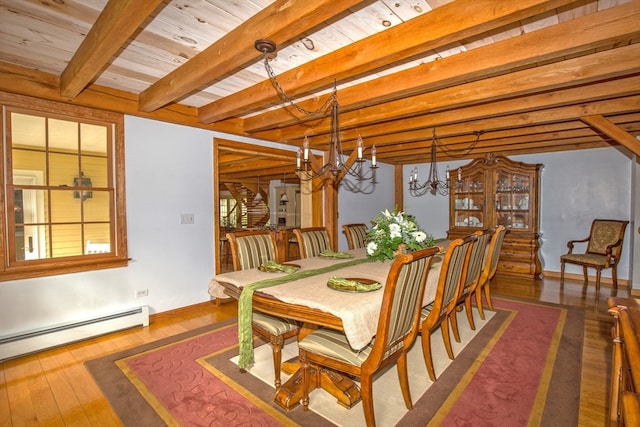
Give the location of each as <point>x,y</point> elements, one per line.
<point>306,297</point>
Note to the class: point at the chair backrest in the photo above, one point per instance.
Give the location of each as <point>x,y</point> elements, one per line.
<point>476,258</point>
<point>312,241</point>
<point>251,248</point>
<point>401,303</point>
<point>452,273</point>
<point>605,232</point>
<point>356,235</point>
<point>490,264</point>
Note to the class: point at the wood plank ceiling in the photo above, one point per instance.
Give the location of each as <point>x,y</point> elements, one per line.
<point>531,76</point>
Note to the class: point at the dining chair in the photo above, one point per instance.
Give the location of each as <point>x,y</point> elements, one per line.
<point>397,330</point>
<point>604,247</point>
<point>452,272</point>
<point>471,280</point>
<point>249,249</point>
<point>312,241</point>
<point>356,235</point>
<point>489,269</point>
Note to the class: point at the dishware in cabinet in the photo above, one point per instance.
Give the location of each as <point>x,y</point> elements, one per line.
<point>498,191</point>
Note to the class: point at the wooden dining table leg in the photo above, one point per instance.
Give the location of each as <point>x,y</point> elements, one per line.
<point>343,388</point>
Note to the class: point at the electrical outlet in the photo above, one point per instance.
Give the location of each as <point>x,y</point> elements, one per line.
<point>142,293</point>
<point>187,218</point>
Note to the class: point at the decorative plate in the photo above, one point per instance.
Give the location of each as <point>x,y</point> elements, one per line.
<point>351,284</point>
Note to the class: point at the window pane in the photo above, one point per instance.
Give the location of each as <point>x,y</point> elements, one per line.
<point>64,207</point>
<point>97,238</point>
<point>63,168</point>
<point>27,160</point>
<point>67,240</point>
<point>97,209</point>
<point>93,139</point>
<point>95,168</point>
<point>63,136</point>
<point>28,131</point>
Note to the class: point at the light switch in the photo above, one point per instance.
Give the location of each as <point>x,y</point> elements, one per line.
<point>187,218</point>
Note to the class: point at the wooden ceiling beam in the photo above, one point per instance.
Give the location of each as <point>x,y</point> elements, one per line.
<point>280,22</point>
<point>446,24</point>
<point>616,133</point>
<point>118,21</point>
<point>611,27</point>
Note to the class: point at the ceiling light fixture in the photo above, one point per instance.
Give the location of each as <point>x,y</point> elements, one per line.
<point>335,167</point>
<point>434,184</point>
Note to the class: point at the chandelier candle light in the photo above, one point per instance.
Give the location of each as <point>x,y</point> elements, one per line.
<point>335,164</point>
<point>433,184</point>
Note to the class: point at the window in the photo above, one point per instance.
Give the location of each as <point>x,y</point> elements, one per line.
<point>63,189</point>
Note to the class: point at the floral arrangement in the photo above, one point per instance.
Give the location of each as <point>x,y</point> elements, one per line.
<point>394,232</point>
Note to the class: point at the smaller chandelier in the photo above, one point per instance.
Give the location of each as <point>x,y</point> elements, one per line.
<point>433,184</point>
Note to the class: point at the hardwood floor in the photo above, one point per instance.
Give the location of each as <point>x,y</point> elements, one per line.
<point>53,387</point>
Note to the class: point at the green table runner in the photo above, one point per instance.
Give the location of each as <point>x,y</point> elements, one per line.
<point>245,309</point>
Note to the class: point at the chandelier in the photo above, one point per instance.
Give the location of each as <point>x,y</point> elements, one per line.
<point>335,167</point>
<point>434,184</point>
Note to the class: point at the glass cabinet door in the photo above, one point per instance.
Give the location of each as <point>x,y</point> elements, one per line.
<point>469,201</point>
<point>512,200</point>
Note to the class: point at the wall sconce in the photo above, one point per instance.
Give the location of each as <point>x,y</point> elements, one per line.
<point>82,181</point>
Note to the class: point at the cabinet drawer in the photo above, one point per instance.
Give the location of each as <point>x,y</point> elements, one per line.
<point>507,254</point>
<point>513,267</point>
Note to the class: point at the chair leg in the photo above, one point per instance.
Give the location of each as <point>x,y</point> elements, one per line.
<point>366,394</point>
<point>277,342</point>
<point>426,353</point>
<point>561,273</point>
<point>453,318</point>
<point>467,306</point>
<point>614,276</point>
<point>586,276</point>
<point>598,274</point>
<point>479,301</point>
<point>446,338</point>
<point>487,294</point>
<point>403,376</point>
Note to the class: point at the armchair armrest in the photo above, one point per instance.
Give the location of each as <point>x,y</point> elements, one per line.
<point>571,242</point>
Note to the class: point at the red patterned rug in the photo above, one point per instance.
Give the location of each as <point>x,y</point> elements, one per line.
<point>521,368</point>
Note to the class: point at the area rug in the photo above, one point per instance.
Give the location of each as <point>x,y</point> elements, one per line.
<point>521,367</point>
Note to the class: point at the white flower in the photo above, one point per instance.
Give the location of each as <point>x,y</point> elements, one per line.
<point>394,231</point>
<point>420,236</point>
<point>372,247</point>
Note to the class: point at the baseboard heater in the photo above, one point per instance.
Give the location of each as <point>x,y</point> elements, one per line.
<point>29,342</point>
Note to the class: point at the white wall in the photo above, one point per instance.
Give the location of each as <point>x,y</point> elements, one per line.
<point>576,187</point>
<point>168,172</point>
<point>360,207</point>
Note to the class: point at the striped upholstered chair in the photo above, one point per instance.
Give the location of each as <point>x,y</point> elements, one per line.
<point>312,241</point>
<point>356,235</point>
<point>249,249</point>
<point>472,278</point>
<point>397,330</point>
<point>452,273</point>
<point>489,269</point>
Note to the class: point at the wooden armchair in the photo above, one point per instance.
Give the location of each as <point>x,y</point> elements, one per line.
<point>604,246</point>
<point>396,332</point>
<point>356,235</point>
<point>312,241</point>
<point>489,269</point>
<point>249,249</point>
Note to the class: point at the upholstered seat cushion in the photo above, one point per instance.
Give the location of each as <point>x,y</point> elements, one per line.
<point>273,325</point>
<point>334,345</point>
<point>591,259</point>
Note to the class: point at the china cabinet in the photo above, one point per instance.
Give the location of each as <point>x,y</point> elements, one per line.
<point>498,191</point>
